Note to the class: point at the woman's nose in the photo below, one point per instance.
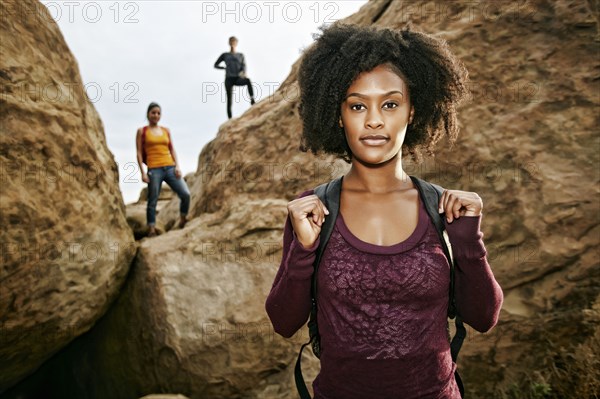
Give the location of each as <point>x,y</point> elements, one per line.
<point>374,120</point>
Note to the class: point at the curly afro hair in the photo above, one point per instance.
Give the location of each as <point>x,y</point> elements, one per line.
<point>436,79</point>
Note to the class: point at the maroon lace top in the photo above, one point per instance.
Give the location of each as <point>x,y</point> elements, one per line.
<point>382,310</point>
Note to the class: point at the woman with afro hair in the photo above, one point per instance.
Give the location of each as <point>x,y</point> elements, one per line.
<point>369,96</point>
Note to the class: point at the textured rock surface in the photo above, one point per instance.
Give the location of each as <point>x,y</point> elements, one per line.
<point>191,322</point>
<point>191,316</point>
<point>66,246</point>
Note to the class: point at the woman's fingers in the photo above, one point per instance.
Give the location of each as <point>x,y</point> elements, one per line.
<point>323,211</point>
<point>307,215</point>
<point>455,203</point>
<point>449,206</point>
<point>456,207</point>
<point>317,208</point>
<point>442,204</point>
<point>309,207</point>
<point>446,204</point>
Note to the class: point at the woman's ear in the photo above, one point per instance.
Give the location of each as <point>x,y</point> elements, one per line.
<point>340,122</point>
<point>411,115</point>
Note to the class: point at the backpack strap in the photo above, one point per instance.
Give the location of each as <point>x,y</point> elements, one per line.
<point>329,193</point>
<point>144,144</point>
<point>431,194</point>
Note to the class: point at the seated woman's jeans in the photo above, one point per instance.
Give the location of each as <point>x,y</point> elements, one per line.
<point>166,174</point>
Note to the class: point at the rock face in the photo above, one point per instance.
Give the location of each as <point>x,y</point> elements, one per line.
<point>66,246</point>
<point>191,317</point>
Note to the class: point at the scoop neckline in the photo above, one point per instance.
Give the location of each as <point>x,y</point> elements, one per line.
<point>410,242</point>
<point>162,131</point>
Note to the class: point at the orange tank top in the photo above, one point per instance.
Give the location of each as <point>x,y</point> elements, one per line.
<point>157,149</point>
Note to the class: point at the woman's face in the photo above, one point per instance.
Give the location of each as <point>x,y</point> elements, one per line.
<point>154,115</point>
<point>375,114</point>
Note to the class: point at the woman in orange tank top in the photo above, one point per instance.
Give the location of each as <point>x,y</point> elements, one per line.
<point>155,149</point>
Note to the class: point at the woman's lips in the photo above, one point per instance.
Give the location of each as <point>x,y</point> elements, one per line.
<point>374,141</point>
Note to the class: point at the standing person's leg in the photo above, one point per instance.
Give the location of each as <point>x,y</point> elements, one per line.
<point>182,190</point>
<point>246,82</point>
<point>229,90</point>
<point>156,177</point>
<point>250,91</point>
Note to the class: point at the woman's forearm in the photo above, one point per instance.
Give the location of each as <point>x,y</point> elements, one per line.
<point>289,302</point>
<point>174,155</point>
<point>478,294</point>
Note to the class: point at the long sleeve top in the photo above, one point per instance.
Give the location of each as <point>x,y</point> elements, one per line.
<point>235,63</point>
<point>382,310</point>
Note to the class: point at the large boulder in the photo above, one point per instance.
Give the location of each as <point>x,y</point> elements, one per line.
<point>66,246</point>
<point>191,316</point>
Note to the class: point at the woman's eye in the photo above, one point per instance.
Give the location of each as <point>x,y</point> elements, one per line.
<point>353,107</point>
<point>393,105</point>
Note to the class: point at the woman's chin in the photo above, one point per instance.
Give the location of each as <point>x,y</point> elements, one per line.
<point>376,154</point>
<point>375,160</point>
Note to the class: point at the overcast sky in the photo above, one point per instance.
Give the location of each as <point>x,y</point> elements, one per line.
<point>133,52</point>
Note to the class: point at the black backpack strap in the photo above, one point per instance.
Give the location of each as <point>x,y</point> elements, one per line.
<point>300,384</point>
<point>329,193</point>
<point>431,194</point>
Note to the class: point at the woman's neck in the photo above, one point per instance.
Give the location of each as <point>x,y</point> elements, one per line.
<point>380,179</point>
<point>152,124</point>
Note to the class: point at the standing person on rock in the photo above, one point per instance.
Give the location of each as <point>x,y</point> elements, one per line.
<point>369,96</point>
<point>155,149</point>
<point>235,72</point>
